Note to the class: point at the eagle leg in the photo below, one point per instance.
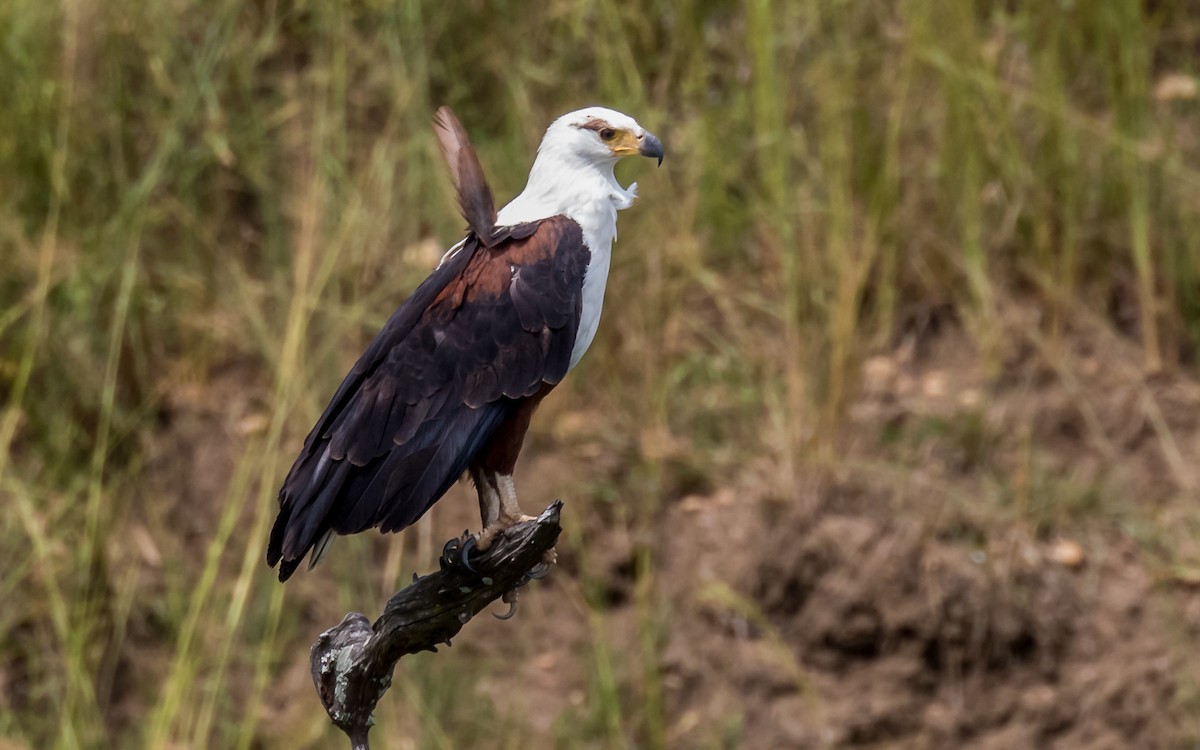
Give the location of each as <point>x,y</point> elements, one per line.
<point>497,506</point>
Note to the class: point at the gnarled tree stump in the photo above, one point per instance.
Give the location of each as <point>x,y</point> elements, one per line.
<point>352,662</point>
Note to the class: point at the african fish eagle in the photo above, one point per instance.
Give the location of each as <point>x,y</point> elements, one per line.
<point>450,383</point>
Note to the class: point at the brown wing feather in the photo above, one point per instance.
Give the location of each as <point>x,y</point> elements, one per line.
<point>474,195</point>
<point>489,328</point>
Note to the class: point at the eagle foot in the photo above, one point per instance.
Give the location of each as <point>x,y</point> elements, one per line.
<point>492,532</point>
<point>458,551</point>
<point>455,552</point>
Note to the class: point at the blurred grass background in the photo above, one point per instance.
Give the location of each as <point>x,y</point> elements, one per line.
<point>215,203</point>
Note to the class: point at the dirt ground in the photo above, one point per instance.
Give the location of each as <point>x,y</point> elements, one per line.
<point>916,594</point>
<point>989,561</point>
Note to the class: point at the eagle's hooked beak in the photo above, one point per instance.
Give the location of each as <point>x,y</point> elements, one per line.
<point>649,145</point>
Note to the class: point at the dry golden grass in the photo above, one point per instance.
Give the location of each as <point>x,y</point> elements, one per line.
<point>206,209</point>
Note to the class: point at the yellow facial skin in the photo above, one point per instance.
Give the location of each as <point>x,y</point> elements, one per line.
<point>623,143</point>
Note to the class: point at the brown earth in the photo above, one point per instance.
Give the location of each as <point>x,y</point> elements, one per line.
<point>896,601</point>
<point>990,561</point>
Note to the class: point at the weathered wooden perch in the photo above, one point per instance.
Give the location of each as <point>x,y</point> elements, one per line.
<point>352,663</point>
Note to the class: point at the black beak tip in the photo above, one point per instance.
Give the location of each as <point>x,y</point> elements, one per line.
<point>651,146</point>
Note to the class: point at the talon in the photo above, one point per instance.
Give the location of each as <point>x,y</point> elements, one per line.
<point>512,605</point>
<point>464,555</point>
<point>542,569</point>
<point>512,610</point>
<point>448,553</point>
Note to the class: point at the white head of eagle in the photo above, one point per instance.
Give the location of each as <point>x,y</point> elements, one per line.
<point>450,383</point>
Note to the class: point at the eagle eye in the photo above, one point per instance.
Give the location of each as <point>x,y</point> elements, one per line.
<point>607,134</point>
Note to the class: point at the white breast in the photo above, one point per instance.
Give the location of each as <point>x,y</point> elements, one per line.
<point>565,185</point>
<point>598,235</point>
